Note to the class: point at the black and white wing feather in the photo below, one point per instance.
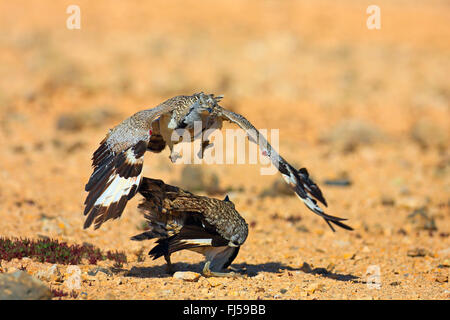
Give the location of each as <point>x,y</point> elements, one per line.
<point>299,180</point>
<point>115,180</point>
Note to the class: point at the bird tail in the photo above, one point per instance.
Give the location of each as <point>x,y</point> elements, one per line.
<point>162,247</point>
<point>158,228</point>
<point>147,235</point>
<point>162,224</point>
<point>162,244</point>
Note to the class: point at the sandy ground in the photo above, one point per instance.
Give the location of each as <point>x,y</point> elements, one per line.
<point>369,104</point>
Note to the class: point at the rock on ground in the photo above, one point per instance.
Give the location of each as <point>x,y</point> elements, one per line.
<point>21,286</point>
<point>186,275</point>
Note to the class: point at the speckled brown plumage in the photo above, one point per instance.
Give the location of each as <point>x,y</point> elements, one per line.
<point>182,220</point>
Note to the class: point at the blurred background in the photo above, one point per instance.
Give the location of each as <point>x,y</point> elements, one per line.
<point>365,109</point>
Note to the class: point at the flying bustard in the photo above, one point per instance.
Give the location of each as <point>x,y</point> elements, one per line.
<point>182,220</point>
<point>118,160</point>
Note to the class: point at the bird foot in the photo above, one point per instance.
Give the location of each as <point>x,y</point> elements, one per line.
<point>174,156</point>
<point>170,269</point>
<point>238,270</point>
<point>208,273</point>
<point>205,145</point>
<point>169,266</point>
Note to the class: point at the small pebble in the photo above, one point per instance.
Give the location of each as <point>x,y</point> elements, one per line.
<point>214,282</point>
<point>186,276</point>
<point>315,287</point>
<point>441,278</point>
<point>417,252</point>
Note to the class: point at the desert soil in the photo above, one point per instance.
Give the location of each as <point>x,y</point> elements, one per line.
<point>371,106</point>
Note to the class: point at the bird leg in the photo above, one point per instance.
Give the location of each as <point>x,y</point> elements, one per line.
<point>205,145</point>
<point>211,124</point>
<point>169,266</point>
<point>208,273</point>
<point>174,156</point>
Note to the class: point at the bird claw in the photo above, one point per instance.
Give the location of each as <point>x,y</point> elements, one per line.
<point>170,269</point>
<point>208,273</point>
<point>169,266</point>
<point>174,156</point>
<point>239,271</point>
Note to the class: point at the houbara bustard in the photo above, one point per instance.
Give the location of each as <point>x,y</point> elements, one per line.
<point>182,220</point>
<point>118,161</point>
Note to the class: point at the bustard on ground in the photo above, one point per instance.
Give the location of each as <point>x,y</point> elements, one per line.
<point>182,220</point>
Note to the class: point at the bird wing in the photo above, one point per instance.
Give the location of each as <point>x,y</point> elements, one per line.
<point>299,180</point>
<point>118,163</point>
<point>195,236</point>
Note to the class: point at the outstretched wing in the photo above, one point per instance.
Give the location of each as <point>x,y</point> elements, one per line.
<point>118,163</point>
<point>115,180</point>
<point>299,180</point>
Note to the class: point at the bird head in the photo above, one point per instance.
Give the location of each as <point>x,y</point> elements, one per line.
<point>227,200</point>
<point>190,112</point>
<point>207,102</point>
